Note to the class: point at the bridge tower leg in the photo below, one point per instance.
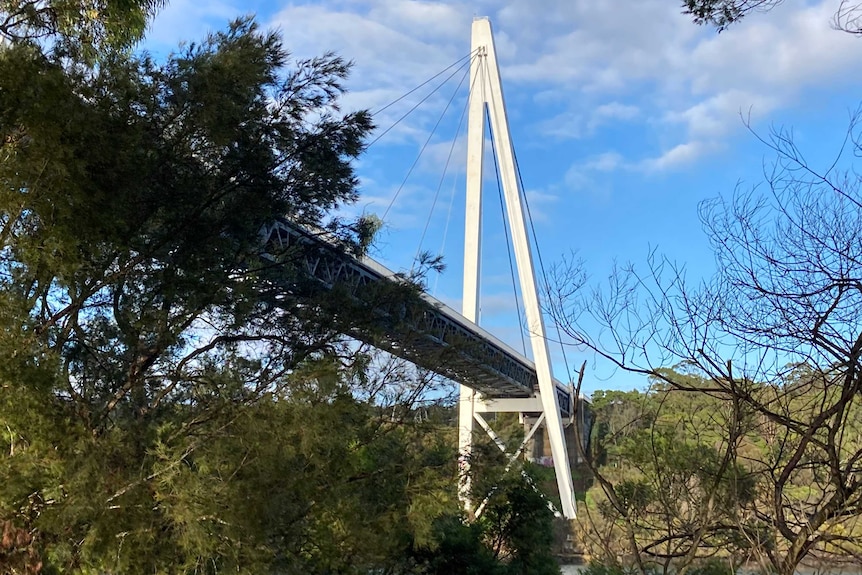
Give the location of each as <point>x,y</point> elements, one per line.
<point>486,94</point>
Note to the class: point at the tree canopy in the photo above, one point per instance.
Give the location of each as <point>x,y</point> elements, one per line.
<point>133,196</point>
<point>167,402</point>
<point>88,27</point>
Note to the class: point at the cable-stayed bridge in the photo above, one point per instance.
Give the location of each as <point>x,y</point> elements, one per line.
<point>493,376</point>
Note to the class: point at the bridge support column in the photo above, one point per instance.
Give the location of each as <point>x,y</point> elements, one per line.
<point>466,429</point>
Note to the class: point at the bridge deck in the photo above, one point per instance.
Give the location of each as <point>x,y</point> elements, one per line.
<point>443,341</point>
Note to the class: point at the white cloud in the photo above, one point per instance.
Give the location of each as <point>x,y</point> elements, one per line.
<point>615,110</point>
<point>595,46</point>
<point>677,74</point>
<point>188,21</point>
<point>450,155</point>
<point>578,175</point>
<point>495,304</point>
<point>542,204</point>
<point>786,51</point>
<point>585,177</point>
<point>565,126</point>
<point>678,155</point>
<point>432,20</point>
<point>573,124</point>
<point>391,53</point>
<point>576,178</point>
<point>605,162</point>
<point>586,65</point>
<point>581,175</point>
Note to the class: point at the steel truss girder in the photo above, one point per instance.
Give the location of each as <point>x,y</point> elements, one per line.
<point>426,332</point>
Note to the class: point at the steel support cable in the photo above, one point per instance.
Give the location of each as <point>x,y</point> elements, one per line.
<point>446,168</point>
<point>446,228</point>
<point>434,77</point>
<point>419,103</point>
<point>427,141</point>
<point>452,198</point>
<point>506,233</point>
<point>538,253</point>
<point>545,281</point>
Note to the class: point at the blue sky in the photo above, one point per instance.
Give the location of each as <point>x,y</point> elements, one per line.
<point>624,116</point>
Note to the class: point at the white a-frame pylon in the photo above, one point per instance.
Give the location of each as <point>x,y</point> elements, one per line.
<point>487,93</point>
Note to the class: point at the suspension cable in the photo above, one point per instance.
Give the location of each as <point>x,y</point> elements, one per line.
<point>427,141</point>
<point>435,76</point>
<point>419,103</point>
<point>546,283</point>
<point>506,232</point>
<point>446,168</point>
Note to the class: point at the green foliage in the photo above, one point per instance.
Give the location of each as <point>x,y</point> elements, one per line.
<point>520,526</point>
<point>89,28</point>
<point>691,473</point>
<point>166,403</point>
<point>597,568</point>
<point>513,537</point>
<point>312,481</point>
<point>675,482</point>
<point>711,566</point>
<point>616,415</point>
<point>142,381</point>
<point>460,549</point>
<point>719,13</point>
<point>131,212</point>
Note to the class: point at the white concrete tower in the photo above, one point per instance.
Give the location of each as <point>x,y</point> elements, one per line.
<point>486,93</point>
